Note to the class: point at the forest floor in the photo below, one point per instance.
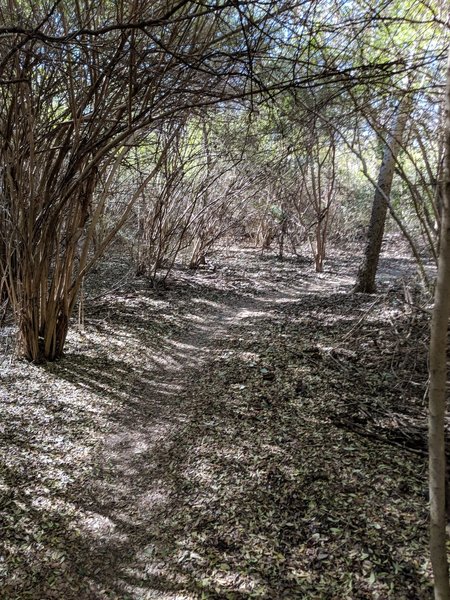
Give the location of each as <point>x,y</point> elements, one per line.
<point>251,430</point>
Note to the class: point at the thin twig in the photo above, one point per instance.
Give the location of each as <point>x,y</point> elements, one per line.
<point>361,319</point>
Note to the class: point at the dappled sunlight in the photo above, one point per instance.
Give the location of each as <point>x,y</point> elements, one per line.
<point>217,451</point>
<point>220,225</point>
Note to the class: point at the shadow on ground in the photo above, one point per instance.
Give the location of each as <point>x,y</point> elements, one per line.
<point>218,469</point>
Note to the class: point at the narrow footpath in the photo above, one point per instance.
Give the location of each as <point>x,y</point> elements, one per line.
<point>252,430</point>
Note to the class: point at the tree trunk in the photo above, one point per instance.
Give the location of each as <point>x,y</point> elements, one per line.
<point>365,281</point>
<point>283,232</point>
<point>438,381</point>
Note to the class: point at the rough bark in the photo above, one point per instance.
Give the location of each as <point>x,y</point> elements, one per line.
<point>365,281</point>
<point>438,381</point>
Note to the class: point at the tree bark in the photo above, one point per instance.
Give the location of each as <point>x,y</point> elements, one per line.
<point>438,381</point>
<point>365,281</point>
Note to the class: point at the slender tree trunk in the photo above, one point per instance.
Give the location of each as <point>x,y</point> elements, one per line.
<point>365,281</point>
<point>283,231</point>
<point>438,381</point>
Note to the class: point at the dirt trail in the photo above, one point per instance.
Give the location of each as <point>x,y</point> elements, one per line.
<point>195,457</point>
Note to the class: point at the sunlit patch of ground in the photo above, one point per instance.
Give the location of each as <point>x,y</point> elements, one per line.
<point>251,431</point>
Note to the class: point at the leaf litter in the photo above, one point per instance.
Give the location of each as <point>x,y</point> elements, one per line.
<point>250,430</point>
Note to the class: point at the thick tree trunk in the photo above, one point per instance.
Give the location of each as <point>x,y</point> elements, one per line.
<point>438,381</point>
<point>365,281</point>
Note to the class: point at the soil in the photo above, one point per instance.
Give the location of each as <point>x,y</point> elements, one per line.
<point>248,430</point>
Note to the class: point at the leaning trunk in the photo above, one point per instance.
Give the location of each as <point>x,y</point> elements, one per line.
<point>365,282</point>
